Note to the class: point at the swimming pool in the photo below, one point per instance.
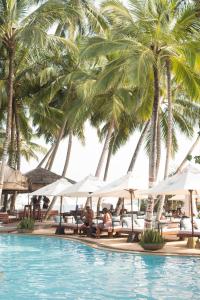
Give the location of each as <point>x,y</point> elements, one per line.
<point>51,268</point>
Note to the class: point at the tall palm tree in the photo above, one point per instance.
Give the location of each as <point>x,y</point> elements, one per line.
<point>19,26</point>
<point>146,36</point>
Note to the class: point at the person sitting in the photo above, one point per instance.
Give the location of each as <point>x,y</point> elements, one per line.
<point>88,219</point>
<point>107,222</point>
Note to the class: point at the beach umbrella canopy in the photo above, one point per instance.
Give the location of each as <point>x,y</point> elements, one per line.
<point>83,188</point>
<point>179,184</point>
<point>183,183</point>
<point>52,189</point>
<point>121,187</point>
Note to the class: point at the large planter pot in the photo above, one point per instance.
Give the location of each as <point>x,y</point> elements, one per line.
<point>152,247</point>
<point>20,230</point>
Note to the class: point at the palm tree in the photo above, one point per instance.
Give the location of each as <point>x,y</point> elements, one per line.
<point>147,35</point>
<point>20,27</point>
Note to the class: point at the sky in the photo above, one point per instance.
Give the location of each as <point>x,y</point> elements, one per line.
<point>84,159</point>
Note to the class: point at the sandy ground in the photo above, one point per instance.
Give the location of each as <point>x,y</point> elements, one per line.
<point>172,247</point>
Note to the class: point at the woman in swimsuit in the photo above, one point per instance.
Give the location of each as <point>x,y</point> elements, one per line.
<point>107,222</point>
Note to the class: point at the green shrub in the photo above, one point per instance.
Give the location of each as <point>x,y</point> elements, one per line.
<point>26,223</point>
<point>151,236</point>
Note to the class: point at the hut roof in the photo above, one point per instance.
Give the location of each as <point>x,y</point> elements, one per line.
<point>40,177</point>
<point>14,180</point>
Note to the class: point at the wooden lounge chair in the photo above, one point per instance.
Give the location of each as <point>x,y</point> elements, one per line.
<point>186,228</point>
<point>6,218</point>
<point>186,234</point>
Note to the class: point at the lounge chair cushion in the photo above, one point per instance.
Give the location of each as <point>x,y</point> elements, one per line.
<point>57,219</point>
<point>70,219</point>
<point>116,221</point>
<point>126,222</point>
<point>116,218</point>
<point>140,222</point>
<point>197,223</point>
<point>186,224</point>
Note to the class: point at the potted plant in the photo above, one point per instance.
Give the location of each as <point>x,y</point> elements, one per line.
<point>152,240</point>
<point>26,225</point>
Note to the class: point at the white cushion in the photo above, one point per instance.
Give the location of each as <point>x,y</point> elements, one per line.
<point>197,223</point>
<point>140,222</point>
<point>127,222</point>
<point>186,224</point>
<point>57,219</point>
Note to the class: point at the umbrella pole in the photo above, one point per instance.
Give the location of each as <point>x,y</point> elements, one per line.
<point>190,191</point>
<point>61,201</point>
<point>131,211</point>
<point>131,236</point>
<point>60,229</point>
<point>77,214</point>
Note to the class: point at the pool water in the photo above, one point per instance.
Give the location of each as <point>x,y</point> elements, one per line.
<point>51,268</point>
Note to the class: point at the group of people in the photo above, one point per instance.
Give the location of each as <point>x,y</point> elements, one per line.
<point>36,202</point>
<point>95,229</point>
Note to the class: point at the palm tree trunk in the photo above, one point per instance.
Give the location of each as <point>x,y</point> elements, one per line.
<point>69,148</point>
<point>138,146</point>
<point>106,172</point>
<point>46,156</point>
<point>57,145</point>
<point>170,119</point>
<point>153,150</point>
<point>158,148</point>
<point>105,149</point>
<point>11,160</point>
<point>5,202</point>
<point>189,153</point>
<point>119,206</point>
<point>13,200</point>
<point>108,160</point>
<point>18,143</point>
<point>51,164</point>
<point>63,174</point>
<point>169,134</point>
<point>102,157</point>
<point>49,159</point>
<point>9,118</point>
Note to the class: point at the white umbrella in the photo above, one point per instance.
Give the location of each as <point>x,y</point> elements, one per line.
<point>83,188</point>
<point>185,182</point>
<point>125,187</point>
<point>53,189</point>
<point>121,187</point>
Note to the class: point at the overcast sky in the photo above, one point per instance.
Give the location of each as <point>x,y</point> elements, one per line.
<point>84,159</point>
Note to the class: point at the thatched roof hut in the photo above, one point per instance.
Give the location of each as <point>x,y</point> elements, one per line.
<point>14,181</point>
<point>40,177</point>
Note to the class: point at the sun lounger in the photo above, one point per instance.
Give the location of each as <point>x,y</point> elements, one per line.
<point>125,227</point>
<point>186,228</point>
<point>186,234</point>
<point>6,218</point>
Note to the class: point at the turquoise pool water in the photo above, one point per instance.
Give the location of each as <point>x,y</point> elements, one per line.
<point>51,268</point>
